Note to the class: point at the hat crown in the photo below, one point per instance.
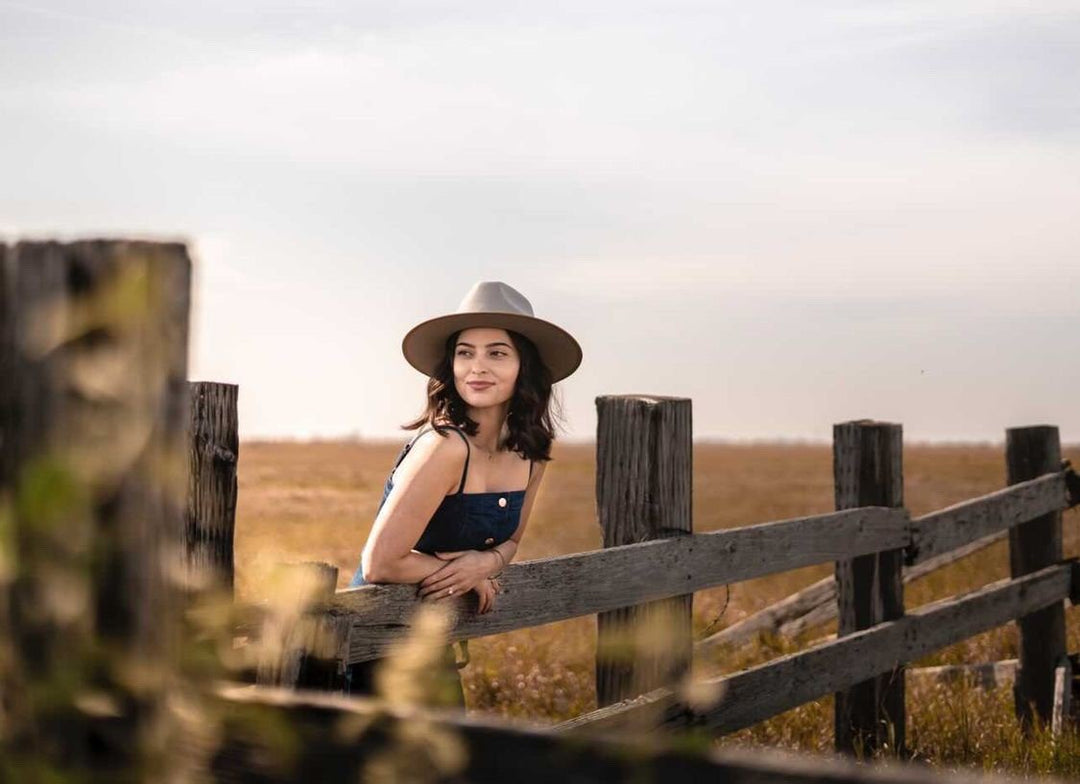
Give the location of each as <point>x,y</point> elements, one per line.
<point>493,296</point>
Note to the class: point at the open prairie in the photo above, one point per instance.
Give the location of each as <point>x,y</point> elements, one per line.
<point>316,501</point>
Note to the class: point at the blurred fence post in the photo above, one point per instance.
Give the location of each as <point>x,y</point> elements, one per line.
<point>211,514</point>
<point>1032,452</point>
<point>868,471</point>
<point>93,349</point>
<point>297,649</point>
<point>644,472</point>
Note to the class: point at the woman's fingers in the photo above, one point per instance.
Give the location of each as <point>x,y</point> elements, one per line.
<point>448,572</point>
<point>450,556</point>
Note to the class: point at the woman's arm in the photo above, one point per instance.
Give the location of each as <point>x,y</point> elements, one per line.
<point>432,468</point>
<point>468,566</point>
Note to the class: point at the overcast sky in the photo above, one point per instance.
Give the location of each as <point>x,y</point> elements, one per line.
<point>794,213</point>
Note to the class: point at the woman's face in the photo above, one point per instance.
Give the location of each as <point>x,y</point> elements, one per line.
<point>485,366</point>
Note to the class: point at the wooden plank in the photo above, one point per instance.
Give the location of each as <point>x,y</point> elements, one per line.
<point>554,589</point>
<point>320,737</point>
<point>988,675</point>
<point>1031,452</point>
<point>997,511</point>
<point>774,618</point>
<point>1062,695</point>
<point>644,473</point>
<point>93,446</point>
<point>970,521</point>
<point>755,694</point>
<point>211,517</point>
<point>868,471</point>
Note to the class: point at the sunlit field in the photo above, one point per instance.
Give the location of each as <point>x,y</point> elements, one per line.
<point>316,501</point>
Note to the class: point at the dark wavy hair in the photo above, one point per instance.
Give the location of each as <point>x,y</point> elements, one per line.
<point>533,408</point>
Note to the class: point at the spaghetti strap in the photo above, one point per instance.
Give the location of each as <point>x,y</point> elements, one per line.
<point>440,428</point>
<point>468,454</point>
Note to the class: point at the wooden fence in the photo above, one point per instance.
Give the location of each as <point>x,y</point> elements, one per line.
<point>873,645</point>
<point>96,547</point>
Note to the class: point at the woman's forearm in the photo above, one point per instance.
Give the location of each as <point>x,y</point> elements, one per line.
<point>410,568</point>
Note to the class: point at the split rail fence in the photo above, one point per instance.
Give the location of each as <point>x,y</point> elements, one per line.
<point>103,573</point>
<point>643,475</point>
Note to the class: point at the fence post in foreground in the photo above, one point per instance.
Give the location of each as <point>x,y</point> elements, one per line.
<point>644,460</point>
<point>1032,452</point>
<point>868,471</point>
<point>93,348</point>
<point>211,514</point>
<point>297,649</point>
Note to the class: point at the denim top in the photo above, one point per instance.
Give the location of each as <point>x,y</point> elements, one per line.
<point>463,521</point>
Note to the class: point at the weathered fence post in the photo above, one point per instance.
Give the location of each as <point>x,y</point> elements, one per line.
<point>1032,452</point>
<point>868,471</point>
<point>297,649</point>
<point>93,347</point>
<point>644,472</point>
<point>211,514</point>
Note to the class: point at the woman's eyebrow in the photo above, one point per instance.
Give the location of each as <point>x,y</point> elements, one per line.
<point>486,345</point>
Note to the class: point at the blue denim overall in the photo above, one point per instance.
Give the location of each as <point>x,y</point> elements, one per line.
<point>463,521</point>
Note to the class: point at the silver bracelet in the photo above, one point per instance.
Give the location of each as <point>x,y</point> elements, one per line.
<point>501,559</point>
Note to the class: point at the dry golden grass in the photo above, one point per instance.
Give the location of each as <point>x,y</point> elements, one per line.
<point>316,501</point>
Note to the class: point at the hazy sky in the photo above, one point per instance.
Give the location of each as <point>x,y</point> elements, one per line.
<point>794,213</point>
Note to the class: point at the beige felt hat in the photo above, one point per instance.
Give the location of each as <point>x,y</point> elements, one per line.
<point>492,304</point>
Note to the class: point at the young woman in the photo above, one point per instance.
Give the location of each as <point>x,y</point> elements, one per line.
<point>457,502</point>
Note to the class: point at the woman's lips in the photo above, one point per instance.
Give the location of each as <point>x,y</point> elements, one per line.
<point>479,385</point>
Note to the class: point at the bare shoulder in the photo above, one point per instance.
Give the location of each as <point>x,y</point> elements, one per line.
<point>434,452</point>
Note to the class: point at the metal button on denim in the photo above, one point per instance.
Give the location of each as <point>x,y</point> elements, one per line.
<point>489,540</point>
<point>502,502</point>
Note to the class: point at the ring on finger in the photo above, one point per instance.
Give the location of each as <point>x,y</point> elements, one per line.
<point>449,591</point>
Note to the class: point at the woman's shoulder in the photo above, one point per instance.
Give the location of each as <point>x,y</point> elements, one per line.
<point>438,444</point>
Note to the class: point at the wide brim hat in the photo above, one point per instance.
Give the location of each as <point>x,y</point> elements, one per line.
<point>492,304</point>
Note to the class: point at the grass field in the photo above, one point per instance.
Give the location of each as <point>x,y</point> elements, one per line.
<point>316,501</point>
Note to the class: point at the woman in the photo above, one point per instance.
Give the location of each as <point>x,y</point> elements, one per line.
<point>457,502</point>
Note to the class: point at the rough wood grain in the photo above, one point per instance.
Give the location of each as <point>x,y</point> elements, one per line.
<point>868,471</point>
<point>554,589</point>
<point>336,739</point>
<point>93,444</point>
<point>947,529</point>
<point>644,476</point>
<point>952,528</point>
<point>750,696</point>
<point>1031,452</point>
<point>211,515</point>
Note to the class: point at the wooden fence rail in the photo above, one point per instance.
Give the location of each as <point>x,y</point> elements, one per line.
<point>554,589</point>
<point>755,694</point>
<point>347,739</point>
<point>997,511</point>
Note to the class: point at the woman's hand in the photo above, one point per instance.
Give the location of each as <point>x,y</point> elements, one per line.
<point>463,572</point>
<point>486,590</point>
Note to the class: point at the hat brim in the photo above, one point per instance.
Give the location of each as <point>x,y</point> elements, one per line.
<point>425,343</point>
